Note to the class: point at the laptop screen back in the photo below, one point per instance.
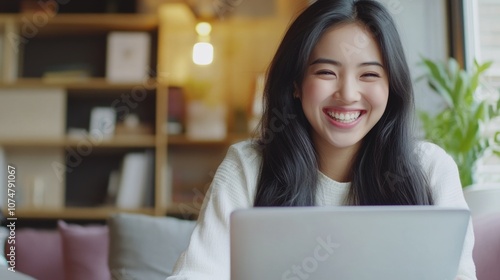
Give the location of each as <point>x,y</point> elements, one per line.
<point>366,242</point>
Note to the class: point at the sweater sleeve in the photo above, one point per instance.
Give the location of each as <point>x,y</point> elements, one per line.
<point>447,191</point>
<point>207,256</point>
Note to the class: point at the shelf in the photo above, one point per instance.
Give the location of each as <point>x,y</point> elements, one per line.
<point>69,23</point>
<point>89,213</point>
<point>141,141</point>
<point>83,84</point>
<point>183,140</point>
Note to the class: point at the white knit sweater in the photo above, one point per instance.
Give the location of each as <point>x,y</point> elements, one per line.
<point>234,186</point>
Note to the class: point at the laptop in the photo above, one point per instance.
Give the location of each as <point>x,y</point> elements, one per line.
<point>347,243</point>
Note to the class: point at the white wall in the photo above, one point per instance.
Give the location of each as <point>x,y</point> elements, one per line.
<point>422,27</point>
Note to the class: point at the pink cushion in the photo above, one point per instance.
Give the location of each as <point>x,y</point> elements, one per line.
<point>39,253</point>
<point>487,246</point>
<point>85,251</point>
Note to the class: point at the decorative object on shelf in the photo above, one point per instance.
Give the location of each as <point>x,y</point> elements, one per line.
<point>176,111</point>
<point>102,122</point>
<point>128,56</point>
<point>205,114</point>
<point>77,133</point>
<point>206,121</point>
<point>457,129</point>
<point>132,125</point>
<point>136,181</point>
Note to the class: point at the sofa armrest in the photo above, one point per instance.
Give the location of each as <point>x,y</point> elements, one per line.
<point>487,246</point>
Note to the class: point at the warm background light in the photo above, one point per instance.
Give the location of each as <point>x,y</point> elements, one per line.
<point>203,53</point>
<point>203,28</point>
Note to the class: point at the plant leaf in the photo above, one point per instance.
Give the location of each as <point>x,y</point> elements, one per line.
<point>438,80</point>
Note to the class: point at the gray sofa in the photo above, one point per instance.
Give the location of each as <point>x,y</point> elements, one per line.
<point>128,247</point>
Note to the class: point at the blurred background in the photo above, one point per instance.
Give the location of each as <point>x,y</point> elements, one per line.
<point>129,105</point>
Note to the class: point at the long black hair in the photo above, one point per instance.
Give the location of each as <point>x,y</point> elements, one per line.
<point>386,169</point>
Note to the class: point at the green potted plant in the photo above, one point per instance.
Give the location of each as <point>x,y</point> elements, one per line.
<point>457,128</point>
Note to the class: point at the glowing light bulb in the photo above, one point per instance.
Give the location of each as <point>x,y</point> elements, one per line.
<point>203,53</point>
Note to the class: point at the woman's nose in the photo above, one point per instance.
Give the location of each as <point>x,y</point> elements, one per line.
<point>347,91</point>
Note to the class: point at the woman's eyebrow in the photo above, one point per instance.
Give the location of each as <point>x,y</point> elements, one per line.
<point>326,61</point>
<point>370,63</point>
<point>339,64</point>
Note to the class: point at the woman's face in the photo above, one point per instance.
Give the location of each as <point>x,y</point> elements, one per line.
<point>345,88</point>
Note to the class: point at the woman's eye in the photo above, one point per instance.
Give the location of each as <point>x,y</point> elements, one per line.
<point>371,75</point>
<point>325,72</point>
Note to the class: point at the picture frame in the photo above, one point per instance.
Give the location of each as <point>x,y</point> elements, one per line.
<point>128,55</point>
<point>102,122</point>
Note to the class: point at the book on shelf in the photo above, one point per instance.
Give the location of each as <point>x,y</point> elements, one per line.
<point>66,76</point>
<point>149,193</point>
<point>113,186</point>
<point>167,183</point>
<point>67,73</point>
<point>136,181</point>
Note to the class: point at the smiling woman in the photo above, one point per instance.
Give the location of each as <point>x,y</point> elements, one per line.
<point>350,61</point>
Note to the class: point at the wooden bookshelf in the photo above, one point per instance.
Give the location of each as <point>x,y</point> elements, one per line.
<point>48,49</point>
<point>90,213</point>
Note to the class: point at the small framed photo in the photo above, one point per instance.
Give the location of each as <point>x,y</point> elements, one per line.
<point>128,55</point>
<point>102,122</point>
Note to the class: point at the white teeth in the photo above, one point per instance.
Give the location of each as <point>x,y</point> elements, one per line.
<point>345,117</point>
